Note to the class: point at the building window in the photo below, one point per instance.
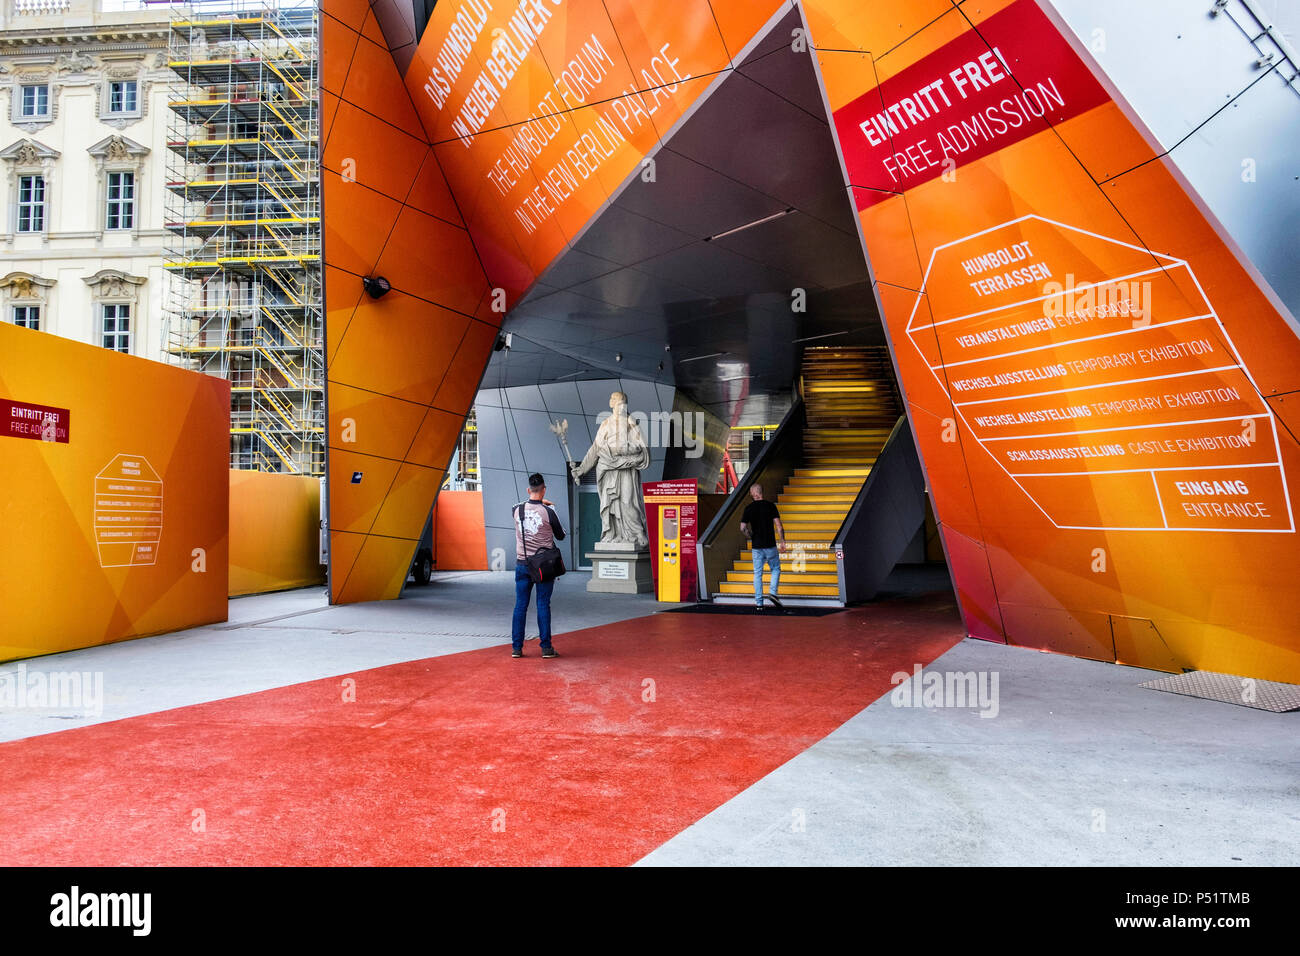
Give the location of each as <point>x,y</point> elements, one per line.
<point>121,201</point>
<point>35,101</point>
<point>117,327</point>
<point>31,203</point>
<point>122,97</point>
<point>27,316</point>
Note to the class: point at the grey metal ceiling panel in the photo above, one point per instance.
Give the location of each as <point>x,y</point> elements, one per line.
<point>572,267</point>
<point>634,289</point>
<point>796,163</point>
<point>781,72</point>
<point>715,272</point>
<point>625,237</point>
<point>694,198</point>
<point>814,254</point>
<point>642,277</point>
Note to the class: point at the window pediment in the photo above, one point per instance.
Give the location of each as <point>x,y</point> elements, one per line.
<point>114,284</point>
<point>28,152</point>
<point>119,149</point>
<point>24,285</point>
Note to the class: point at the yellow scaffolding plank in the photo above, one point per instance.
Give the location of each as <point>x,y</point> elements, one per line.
<point>292,220</point>
<point>223,182</point>
<point>246,260</point>
<point>223,22</point>
<point>221,142</point>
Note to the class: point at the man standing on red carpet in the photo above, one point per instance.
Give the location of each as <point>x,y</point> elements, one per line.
<point>537,526</point>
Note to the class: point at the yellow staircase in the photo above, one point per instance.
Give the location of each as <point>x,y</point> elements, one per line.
<point>850,409</point>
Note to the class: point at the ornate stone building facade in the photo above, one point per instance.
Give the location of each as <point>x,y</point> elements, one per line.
<point>83,125</point>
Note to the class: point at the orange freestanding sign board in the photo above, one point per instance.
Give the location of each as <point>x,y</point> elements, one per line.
<point>116,521</point>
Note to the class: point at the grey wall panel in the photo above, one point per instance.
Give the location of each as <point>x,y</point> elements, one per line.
<point>885,518</point>
<point>1245,163</point>
<point>502,490</point>
<point>501,549</point>
<point>522,396</point>
<point>1174,64</point>
<point>698,452</point>
<point>515,439</point>
<point>561,399</point>
<point>1177,67</point>
<point>541,450</point>
<point>499,480</point>
<point>644,397</point>
<point>656,470</point>
<point>594,395</point>
<point>641,396</point>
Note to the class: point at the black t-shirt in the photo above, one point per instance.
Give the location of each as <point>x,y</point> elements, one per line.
<point>759,515</point>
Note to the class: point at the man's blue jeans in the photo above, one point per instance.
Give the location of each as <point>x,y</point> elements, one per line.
<point>523,590</point>
<point>772,557</point>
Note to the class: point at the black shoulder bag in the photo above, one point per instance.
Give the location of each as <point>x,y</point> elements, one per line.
<point>544,564</point>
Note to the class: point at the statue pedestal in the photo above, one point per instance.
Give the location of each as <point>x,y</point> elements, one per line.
<point>619,571</point>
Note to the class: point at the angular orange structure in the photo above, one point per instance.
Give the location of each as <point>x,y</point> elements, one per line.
<point>402,369</point>
<point>116,479</point>
<point>1094,378</point>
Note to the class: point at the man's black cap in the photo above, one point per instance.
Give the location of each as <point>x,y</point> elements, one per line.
<point>535,480</point>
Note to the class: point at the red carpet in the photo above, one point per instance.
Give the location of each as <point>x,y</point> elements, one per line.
<point>564,754</point>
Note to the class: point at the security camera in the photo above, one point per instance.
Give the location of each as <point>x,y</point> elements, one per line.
<point>376,286</point>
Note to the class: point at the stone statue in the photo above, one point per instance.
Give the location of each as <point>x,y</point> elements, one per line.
<point>619,453</point>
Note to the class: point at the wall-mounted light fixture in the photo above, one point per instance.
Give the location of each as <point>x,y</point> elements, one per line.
<point>504,341</point>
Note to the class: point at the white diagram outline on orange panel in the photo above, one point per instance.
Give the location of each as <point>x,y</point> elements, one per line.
<point>1167,262</point>
<point>99,510</point>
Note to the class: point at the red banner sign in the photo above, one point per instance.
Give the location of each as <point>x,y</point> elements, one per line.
<point>39,422</point>
<point>978,94</point>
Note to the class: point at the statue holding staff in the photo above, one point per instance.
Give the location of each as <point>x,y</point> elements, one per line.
<point>618,454</point>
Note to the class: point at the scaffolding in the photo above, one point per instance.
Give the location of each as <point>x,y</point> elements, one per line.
<point>462,470</point>
<point>243,211</point>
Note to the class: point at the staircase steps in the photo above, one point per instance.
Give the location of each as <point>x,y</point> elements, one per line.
<point>851,408</point>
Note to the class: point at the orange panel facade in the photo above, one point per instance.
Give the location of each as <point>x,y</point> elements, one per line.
<point>401,369</point>
<point>1092,376</point>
